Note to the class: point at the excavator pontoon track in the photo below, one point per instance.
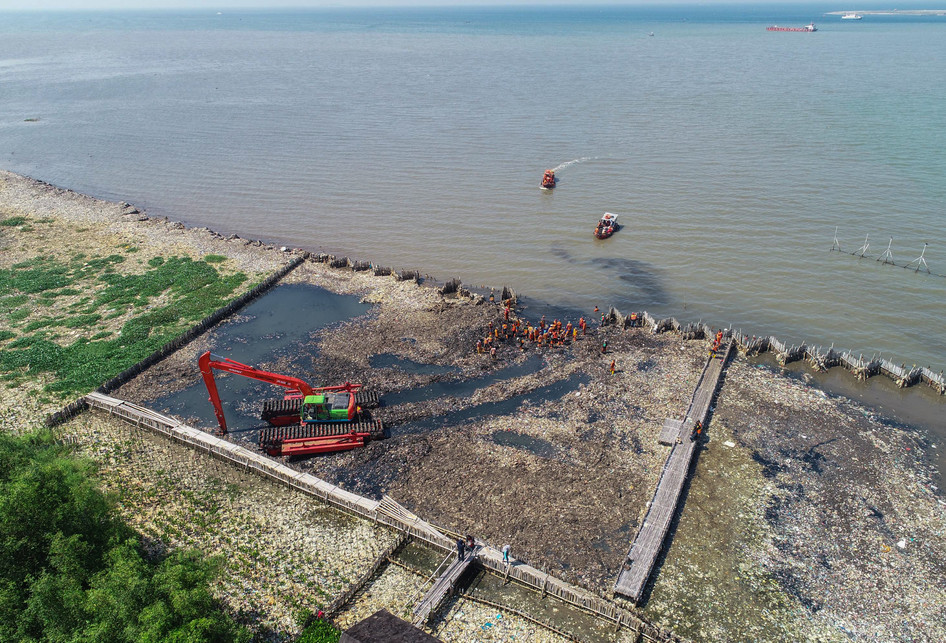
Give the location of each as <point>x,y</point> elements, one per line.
<point>272,436</point>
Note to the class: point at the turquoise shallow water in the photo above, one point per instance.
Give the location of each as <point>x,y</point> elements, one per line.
<point>417,138</point>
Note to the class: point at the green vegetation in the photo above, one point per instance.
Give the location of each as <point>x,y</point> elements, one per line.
<point>12,222</point>
<point>319,631</point>
<point>214,258</point>
<point>185,291</point>
<point>70,570</point>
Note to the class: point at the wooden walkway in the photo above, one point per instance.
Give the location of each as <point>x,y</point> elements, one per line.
<point>653,531</point>
<point>444,586</point>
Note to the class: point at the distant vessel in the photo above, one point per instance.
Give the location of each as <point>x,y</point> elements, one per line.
<point>808,28</point>
<point>851,16</point>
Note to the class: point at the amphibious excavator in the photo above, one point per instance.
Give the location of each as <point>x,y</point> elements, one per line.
<point>307,419</point>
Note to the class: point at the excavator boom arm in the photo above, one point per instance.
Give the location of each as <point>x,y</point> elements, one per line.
<point>208,362</point>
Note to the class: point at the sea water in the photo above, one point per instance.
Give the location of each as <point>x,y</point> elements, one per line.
<point>417,138</point>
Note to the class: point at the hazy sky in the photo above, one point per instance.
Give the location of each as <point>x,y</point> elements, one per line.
<point>219,5</point>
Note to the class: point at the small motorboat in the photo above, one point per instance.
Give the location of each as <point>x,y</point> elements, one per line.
<point>607,226</point>
<point>548,180</point>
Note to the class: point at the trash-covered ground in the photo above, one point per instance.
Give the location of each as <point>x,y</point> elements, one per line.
<point>808,517</point>
<point>561,459</point>
<point>559,462</point>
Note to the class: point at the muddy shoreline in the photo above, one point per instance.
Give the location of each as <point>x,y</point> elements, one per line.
<point>807,514</point>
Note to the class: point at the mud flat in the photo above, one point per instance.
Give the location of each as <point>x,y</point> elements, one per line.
<point>771,541</point>
<point>808,517</point>
<point>579,441</point>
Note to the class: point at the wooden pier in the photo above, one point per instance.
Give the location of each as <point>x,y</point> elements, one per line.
<point>444,586</point>
<point>679,434</point>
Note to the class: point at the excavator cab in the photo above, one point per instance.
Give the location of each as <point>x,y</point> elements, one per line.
<point>313,409</point>
<point>327,407</point>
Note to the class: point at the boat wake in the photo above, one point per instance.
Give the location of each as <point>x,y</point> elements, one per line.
<point>573,162</point>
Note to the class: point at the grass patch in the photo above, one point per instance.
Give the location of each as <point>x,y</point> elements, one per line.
<point>214,258</point>
<point>13,222</point>
<point>65,292</point>
<point>316,630</point>
<point>12,302</point>
<point>6,334</point>
<point>30,277</point>
<point>189,291</point>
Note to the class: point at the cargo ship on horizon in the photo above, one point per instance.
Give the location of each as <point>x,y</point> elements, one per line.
<point>807,28</point>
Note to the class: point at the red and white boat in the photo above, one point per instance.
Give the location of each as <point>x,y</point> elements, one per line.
<point>548,180</point>
<point>607,226</point>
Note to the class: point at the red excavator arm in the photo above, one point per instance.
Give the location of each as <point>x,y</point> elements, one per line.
<point>208,362</point>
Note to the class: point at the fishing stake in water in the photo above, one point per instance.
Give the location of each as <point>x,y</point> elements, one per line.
<point>862,252</point>
<point>918,264</point>
<point>887,257</point>
<point>920,261</point>
<point>836,245</point>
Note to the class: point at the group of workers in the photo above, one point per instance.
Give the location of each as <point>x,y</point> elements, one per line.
<point>543,334</point>
<point>603,229</point>
<point>548,179</point>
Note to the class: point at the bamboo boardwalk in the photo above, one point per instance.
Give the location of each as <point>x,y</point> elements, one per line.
<point>650,537</point>
<point>444,586</point>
